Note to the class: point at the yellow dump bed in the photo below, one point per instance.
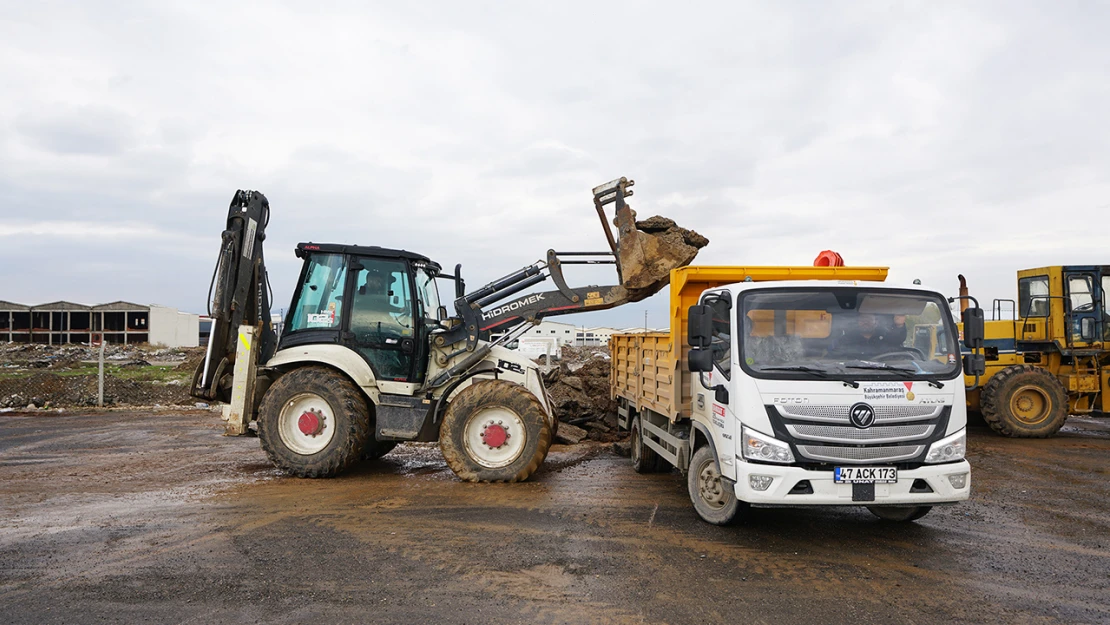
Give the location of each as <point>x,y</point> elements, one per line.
<point>647,370</point>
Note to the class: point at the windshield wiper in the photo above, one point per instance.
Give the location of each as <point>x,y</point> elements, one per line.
<point>821,373</point>
<point>885,367</point>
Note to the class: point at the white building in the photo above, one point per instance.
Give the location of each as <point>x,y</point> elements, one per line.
<point>563,333</point>
<point>173,328</point>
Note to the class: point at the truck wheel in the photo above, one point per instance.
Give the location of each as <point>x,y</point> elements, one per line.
<point>1024,401</point>
<point>714,496</point>
<point>644,458</point>
<point>313,422</point>
<point>899,514</point>
<point>375,449</point>
<point>494,431</point>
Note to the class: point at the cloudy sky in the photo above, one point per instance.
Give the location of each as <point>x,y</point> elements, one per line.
<point>936,138</point>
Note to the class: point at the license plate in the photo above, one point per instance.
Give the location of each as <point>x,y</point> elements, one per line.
<point>865,475</point>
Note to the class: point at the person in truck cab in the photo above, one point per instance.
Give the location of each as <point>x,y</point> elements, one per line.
<point>870,337</point>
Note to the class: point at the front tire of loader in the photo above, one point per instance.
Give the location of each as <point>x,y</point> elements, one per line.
<point>313,422</point>
<point>495,431</point>
<point>1024,401</point>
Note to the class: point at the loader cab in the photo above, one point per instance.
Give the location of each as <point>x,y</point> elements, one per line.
<point>1067,305</point>
<point>378,302</point>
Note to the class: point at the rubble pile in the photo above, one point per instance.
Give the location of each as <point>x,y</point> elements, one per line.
<point>579,391</point>
<point>64,376</point>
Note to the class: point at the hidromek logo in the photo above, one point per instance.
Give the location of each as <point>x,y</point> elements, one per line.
<point>520,303</point>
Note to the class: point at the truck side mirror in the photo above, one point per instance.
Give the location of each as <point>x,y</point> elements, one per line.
<point>700,360</point>
<point>700,329</point>
<point>974,327</point>
<point>975,364</point>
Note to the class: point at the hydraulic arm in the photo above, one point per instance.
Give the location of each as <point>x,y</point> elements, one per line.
<point>239,295</point>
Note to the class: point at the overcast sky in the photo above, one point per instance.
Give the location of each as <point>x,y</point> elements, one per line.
<point>935,138</point>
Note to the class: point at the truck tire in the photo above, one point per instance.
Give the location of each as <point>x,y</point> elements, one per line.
<point>1024,401</point>
<point>644,458</point>
<point>313,422</point>
<point>495,431</point>
<point>375,449</point>
<point>713,495</point>
<point>899,514</point>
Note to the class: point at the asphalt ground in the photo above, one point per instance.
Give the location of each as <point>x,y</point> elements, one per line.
<point>129,517</point>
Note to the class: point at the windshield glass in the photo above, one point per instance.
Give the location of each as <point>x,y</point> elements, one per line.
<point>427,293</point>
<point>847,332</point>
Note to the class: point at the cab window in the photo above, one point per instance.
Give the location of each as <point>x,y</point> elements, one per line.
<point>1033,297</point>
<point>721,340</point>
<point>319,303</point>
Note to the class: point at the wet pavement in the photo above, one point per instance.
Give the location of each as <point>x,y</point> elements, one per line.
<point>126,517</point>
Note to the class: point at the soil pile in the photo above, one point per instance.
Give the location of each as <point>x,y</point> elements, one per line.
<point>579,391</point>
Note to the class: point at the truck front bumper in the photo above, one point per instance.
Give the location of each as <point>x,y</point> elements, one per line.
<point>826,492</point>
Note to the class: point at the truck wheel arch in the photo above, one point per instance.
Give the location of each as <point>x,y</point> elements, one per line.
<point>700,437</point>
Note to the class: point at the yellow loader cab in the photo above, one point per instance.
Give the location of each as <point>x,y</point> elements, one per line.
<point>1046,354</point>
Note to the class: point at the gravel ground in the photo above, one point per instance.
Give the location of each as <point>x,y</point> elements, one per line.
<point>140,516</point>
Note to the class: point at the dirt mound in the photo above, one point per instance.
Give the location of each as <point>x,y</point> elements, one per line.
<point>579,391</point>
<point>42,389</point>
<point>193,358</point>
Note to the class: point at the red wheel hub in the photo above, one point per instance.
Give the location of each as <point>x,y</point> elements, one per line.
<point>310,423</point>
<point>494,435</point>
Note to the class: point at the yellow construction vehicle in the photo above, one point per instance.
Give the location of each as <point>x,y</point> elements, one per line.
<point>1047,354</point>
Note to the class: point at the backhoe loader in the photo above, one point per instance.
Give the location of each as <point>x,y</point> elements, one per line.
<point>368,357</point>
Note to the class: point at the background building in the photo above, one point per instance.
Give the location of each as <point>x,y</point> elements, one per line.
<point>58,323</point>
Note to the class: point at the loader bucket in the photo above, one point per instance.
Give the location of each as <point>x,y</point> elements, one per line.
<point>646,251</point>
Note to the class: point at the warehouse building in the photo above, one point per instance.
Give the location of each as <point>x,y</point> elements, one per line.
<point>58,323</point>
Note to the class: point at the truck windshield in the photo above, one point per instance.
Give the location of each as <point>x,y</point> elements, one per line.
<point>847,333</point>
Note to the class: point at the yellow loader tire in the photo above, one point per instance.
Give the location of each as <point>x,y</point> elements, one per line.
<point>495,431</point>
<point>1024,401</point>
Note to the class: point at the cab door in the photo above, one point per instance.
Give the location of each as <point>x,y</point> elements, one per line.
<point>1084,306</point>
<point>382,319</point>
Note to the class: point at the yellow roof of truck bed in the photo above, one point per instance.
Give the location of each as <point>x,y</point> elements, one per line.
<point>687,284</point>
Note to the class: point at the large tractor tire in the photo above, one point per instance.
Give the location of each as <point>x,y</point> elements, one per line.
<point>644,458</point>
<point>713,495</point>
<point>495,431</point>
<point>1024,401</point>
<point>313,422</point>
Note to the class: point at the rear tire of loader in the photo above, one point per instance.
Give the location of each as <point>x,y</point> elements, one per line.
<point>1024,401</point>
<point>644,458</point>
<point>495,431</point>
<point>313,422</point>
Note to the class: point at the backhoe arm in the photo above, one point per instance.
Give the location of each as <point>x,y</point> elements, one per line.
<point>239,295</point>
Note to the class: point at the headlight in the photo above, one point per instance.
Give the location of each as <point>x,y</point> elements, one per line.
<point>761,447</point>
<point>948,449</point>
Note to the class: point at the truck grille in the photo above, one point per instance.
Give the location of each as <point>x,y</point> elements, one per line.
<point>860,455</point>
<point>839,414</point>
<point>824,434</point>
<point>876,435</point>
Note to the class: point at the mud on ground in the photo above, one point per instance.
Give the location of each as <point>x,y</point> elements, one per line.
<point>123,517</point>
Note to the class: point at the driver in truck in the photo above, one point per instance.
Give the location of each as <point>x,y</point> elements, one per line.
<point>869,337</point>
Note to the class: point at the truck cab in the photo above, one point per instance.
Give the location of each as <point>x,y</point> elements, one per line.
<point>814,395</point>
<point>802,392</point>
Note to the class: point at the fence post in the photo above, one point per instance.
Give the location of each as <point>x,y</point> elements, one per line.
<point>99,339</point>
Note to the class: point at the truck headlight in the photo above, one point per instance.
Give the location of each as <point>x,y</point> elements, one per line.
<point>764,448</point>
<point>948,449</point>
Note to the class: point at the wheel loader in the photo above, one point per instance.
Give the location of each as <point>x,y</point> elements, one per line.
<point>368,356</point>
<point>1051,358</point>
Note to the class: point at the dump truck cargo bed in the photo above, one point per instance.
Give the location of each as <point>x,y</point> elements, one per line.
<point>647,369</point>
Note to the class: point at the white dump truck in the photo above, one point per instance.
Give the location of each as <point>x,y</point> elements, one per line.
<point>801,386</point>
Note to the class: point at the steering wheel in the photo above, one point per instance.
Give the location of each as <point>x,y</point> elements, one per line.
<point>913,352</point>
<point>1088,307</point>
